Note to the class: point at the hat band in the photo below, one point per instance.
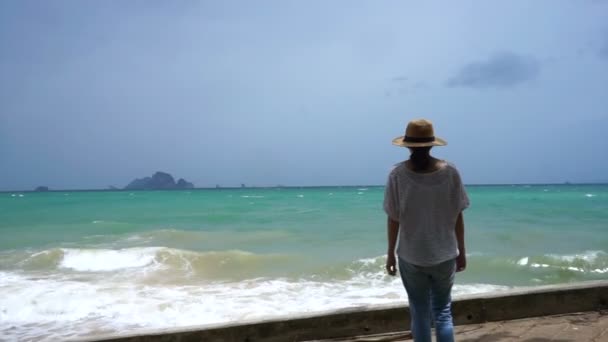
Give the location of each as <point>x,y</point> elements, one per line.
<point>418,140</point>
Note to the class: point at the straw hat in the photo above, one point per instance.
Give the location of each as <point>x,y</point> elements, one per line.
<point>419,133</point>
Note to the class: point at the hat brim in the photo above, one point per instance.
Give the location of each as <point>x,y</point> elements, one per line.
<point>398,141</point>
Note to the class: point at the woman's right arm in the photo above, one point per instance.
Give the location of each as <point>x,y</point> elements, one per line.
<point>392,230</point>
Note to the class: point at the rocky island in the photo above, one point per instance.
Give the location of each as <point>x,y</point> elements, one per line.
<point>159,181</point>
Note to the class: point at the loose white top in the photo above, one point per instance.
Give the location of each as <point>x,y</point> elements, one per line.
<point>426,205</point>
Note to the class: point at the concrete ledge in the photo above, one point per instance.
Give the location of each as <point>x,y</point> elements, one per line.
<point>528,302</point>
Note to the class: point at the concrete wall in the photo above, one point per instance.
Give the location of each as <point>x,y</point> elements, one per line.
<point>531,302</point>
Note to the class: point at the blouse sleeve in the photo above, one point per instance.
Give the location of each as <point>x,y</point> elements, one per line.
<point>462,199</point>
<point>391,199</point>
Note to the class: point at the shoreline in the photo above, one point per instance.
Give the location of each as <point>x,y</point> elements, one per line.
<point>471,309</point>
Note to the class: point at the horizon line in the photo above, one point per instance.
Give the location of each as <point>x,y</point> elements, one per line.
<point>289,187</point>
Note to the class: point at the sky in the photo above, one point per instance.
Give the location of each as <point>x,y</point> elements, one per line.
<point>299,93</point>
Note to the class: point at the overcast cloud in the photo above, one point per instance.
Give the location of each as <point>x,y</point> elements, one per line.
<point>287,92</point>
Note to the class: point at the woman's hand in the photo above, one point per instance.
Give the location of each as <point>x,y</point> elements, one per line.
<point>391,264</point>
<point>461,262</point>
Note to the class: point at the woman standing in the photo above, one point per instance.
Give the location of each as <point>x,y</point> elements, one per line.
<point>424,200</point>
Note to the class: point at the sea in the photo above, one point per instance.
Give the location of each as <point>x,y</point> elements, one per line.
<point>78,264</point>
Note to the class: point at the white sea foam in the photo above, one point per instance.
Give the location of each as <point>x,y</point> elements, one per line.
<point>300,196</point>
<point>106,259</point>
<point>588,256</point>
<point>478,288</point>
<point>586,262</point>
<point>589,195</point>
<point>136,237</point>
<point>307,211</point>
<point>369,261</point>
<point>252,196</point>
<point>56,308</point>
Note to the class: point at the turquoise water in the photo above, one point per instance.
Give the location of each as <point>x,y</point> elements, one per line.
<point>79,263</point>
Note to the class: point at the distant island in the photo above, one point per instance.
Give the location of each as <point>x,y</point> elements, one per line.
<point>41,188</point>
<point>159,181</point>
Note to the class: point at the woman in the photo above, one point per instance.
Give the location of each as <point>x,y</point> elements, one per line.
<point>424,200</point>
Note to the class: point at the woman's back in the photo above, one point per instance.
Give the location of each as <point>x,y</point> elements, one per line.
<point>426,204</point>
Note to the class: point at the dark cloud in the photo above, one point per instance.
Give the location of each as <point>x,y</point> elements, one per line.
<point>502,70</point>
<point>402,85</point>
<point>399,79</point>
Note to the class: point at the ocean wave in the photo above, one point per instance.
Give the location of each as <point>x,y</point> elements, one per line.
<point>106,222</point>
<point>158,262</point>
<point>86,260</point>
<point>553,268</point>
<point>586,262</point>
<point>59,305</point>
<point>587,256</point>
<point>55,309</point>
<point>107,260</point>
<point>528,270</point>
<point>171,237</point>
<point>165,264</point>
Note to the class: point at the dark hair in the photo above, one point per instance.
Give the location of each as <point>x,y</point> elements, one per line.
<point>420,157</point>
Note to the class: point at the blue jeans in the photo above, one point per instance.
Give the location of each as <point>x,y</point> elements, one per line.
<point>429,289</point>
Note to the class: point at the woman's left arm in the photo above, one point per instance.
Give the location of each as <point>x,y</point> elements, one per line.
<point>461,260</point>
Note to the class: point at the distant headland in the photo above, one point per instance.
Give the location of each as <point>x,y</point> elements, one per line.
<point>159,181</point>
